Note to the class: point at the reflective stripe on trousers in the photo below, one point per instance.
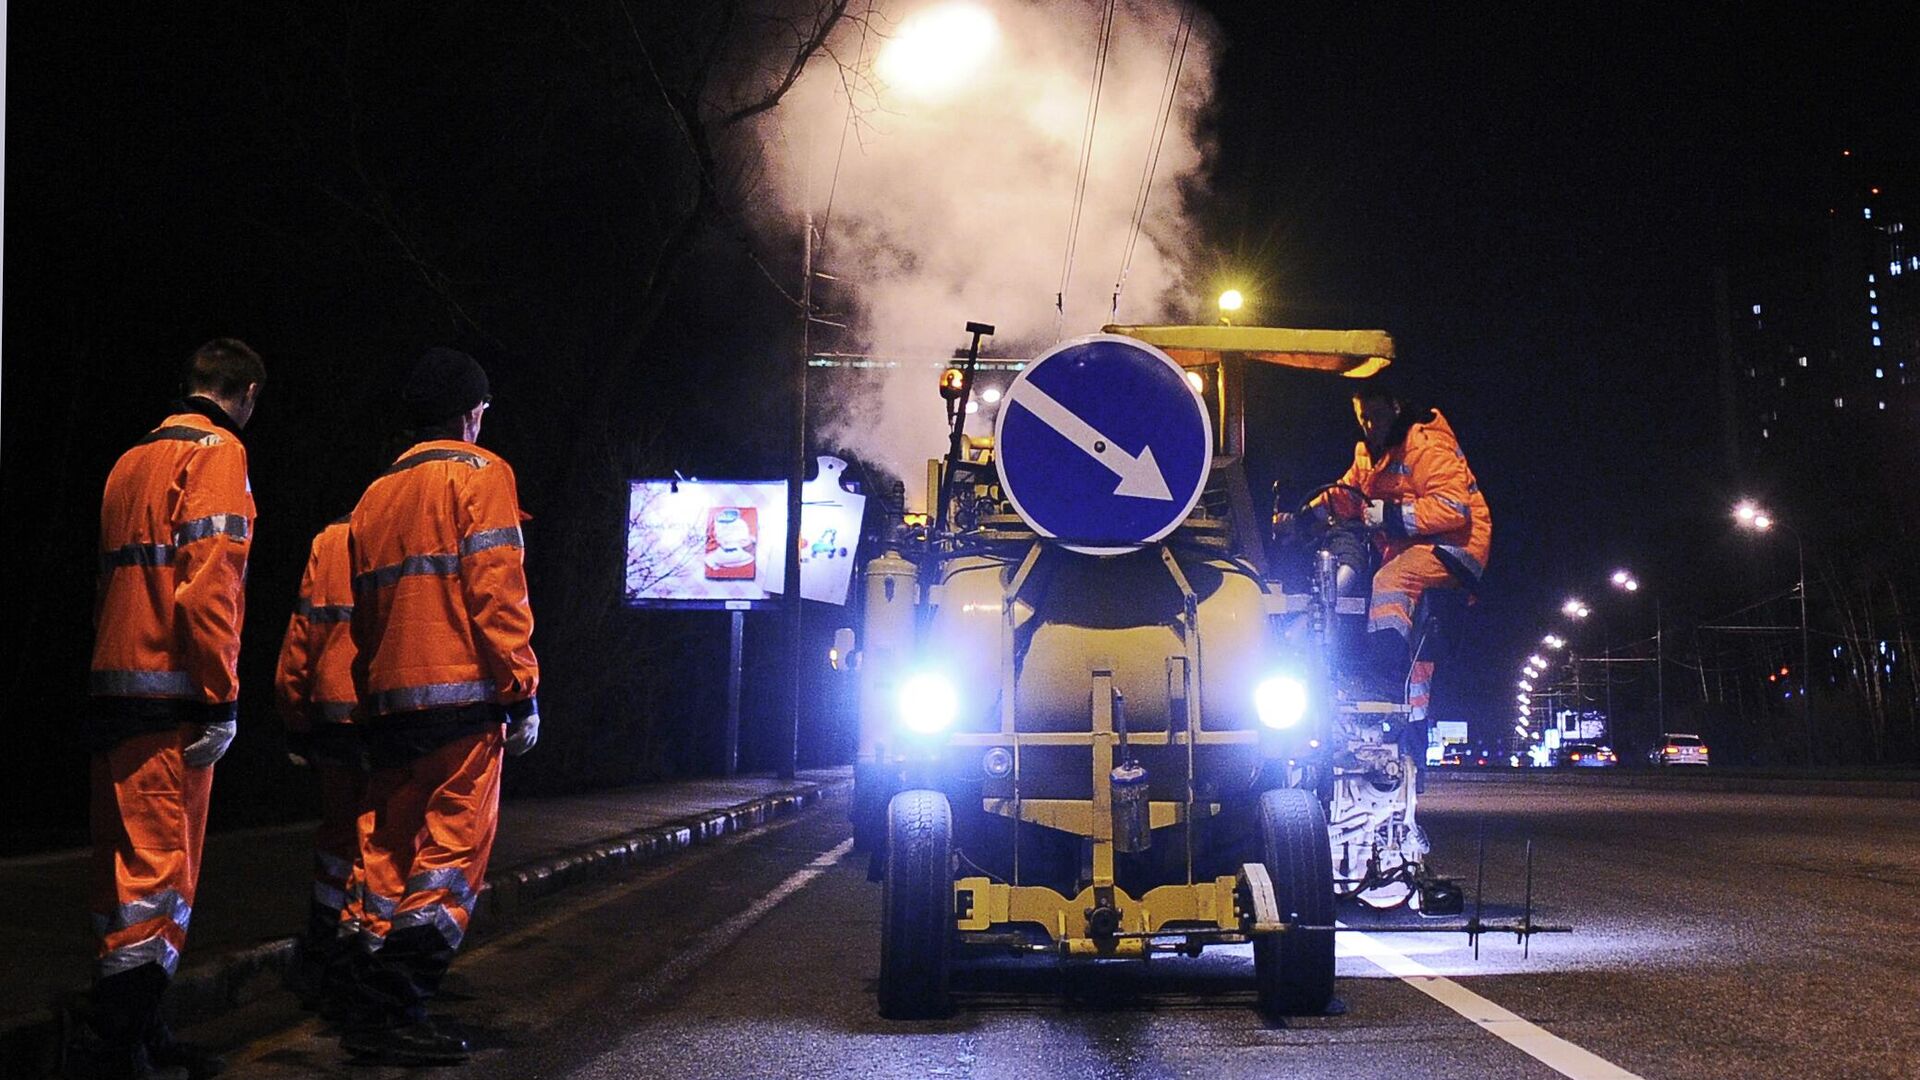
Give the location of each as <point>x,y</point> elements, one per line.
<point>164,684</point>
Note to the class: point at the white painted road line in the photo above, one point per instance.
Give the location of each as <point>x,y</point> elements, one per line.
<point>709,944</point>
<point>1536,1042</point>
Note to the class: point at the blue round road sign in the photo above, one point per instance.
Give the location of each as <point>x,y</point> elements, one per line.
<point>1102,445</point>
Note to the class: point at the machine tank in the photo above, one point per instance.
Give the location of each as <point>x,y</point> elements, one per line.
<point>1123,613</point>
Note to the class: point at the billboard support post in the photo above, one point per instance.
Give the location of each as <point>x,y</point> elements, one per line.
<point>736,638</point>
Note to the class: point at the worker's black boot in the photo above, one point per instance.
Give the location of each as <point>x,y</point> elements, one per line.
<point>1384,674</point>
<point>117,1015</point>
<point>167,1052</point>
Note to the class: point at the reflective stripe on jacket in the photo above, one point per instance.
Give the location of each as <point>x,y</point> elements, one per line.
<point>440,615</point>
<point>1431,496</point>
<point>176,526</point>
<point>314,680</point>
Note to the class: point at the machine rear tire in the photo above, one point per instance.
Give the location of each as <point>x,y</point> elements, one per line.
<point>1295,970</point>
<point>916,920</point>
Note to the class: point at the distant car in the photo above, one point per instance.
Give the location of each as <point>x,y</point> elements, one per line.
<point>1585,755</point>
<point>1678,749</point>
<point>1453,757</point>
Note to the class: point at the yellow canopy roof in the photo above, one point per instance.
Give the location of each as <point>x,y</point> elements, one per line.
<point>1355,354</point>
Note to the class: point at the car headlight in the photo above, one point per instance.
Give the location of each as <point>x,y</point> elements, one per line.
<point>928,704</point>
<point>1280,701</point>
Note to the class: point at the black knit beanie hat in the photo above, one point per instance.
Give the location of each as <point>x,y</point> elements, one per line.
<point>444,383</point>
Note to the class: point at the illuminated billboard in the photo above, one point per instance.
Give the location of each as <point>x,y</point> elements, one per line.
<point>721,543</point>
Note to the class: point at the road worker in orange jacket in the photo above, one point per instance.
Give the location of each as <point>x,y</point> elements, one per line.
<point>313,687</point>
<point>445,677</point>
<point>1411,487</point>
<point>176,526</point>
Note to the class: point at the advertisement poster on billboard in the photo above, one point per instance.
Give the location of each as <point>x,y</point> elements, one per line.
<point>721,544</point>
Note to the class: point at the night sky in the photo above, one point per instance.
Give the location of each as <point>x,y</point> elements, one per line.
<point>1534,204</point>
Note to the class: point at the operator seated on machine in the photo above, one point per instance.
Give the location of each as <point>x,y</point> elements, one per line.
<point>1423,516</point>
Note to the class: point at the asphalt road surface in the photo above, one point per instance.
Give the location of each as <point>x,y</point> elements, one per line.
<point>1717,935</point>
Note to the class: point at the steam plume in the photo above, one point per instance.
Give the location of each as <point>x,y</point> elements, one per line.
<point>955,205</point>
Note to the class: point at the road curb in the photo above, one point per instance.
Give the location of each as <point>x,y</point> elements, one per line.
<point>30,1046</point>
<point>1745,785</point>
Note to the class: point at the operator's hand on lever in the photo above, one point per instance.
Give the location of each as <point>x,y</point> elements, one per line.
<point>1375,515</point>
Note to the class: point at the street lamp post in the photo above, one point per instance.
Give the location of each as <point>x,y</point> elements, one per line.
<point>1750,516</point>
<point>1625,581</point>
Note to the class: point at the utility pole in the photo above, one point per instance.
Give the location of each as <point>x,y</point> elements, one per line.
<point>1659,668</point>
<point>1806,668</point>
<point>796,477</point>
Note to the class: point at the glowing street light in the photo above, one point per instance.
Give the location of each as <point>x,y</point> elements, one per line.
<point>1624,579</point>
<point>935,51</point>
<point>1525,685</point>
<point>1554,641</point>
<point>991,395</point>
<point>1574,609</point>
<point>1537,660</point>
<point>1231,300</point>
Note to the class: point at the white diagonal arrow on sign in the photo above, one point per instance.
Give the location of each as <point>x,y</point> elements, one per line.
<point>1140,477</point>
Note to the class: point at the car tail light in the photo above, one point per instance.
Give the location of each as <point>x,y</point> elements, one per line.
<point>1576,757</point>
<point>1675,750</point>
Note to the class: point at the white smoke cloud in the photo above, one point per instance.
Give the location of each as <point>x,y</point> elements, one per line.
<point>954,205</point>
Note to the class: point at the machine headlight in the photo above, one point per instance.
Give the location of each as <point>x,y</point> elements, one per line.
<point>928,704</point>
<point>1280,701</point>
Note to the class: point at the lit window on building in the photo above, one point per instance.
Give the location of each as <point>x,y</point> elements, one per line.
<point>1873,309</point>
<point>1803,361</point>
<point>1873,294</point>
<point>1839,403</point>
<point>1764,434</point>
<point>1783,380</point>
<point>1893,268</point>
<point>1879,373</point>
<point>1756,309</point>
<point>1869,279</point>
<point>1883,406</point>
<point>1869,211</point>
<point>1913,262</point>
<point>1875,326</point>
<point>1876,344</point>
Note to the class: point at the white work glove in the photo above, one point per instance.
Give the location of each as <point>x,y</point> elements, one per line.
<point>298,761</point>
<point>214,739</point>
<point>522,734</point>
<point>1375,515</point>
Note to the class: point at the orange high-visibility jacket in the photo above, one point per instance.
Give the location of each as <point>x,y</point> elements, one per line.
<point>176,526</point>
<point>440,614</point>
<point>1431,496</point>
<point>314,680</point>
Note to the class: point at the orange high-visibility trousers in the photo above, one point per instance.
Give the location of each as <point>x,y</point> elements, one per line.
<point>425,837</point>
<point>336,846</point>
<point>1397,588</point>
<point>149,823</point>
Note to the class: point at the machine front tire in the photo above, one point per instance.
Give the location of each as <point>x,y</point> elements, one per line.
<point>916,920</point>
<point>1294,970</point>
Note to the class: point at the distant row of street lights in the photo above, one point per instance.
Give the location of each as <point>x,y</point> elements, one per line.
<point>1747,514</point>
